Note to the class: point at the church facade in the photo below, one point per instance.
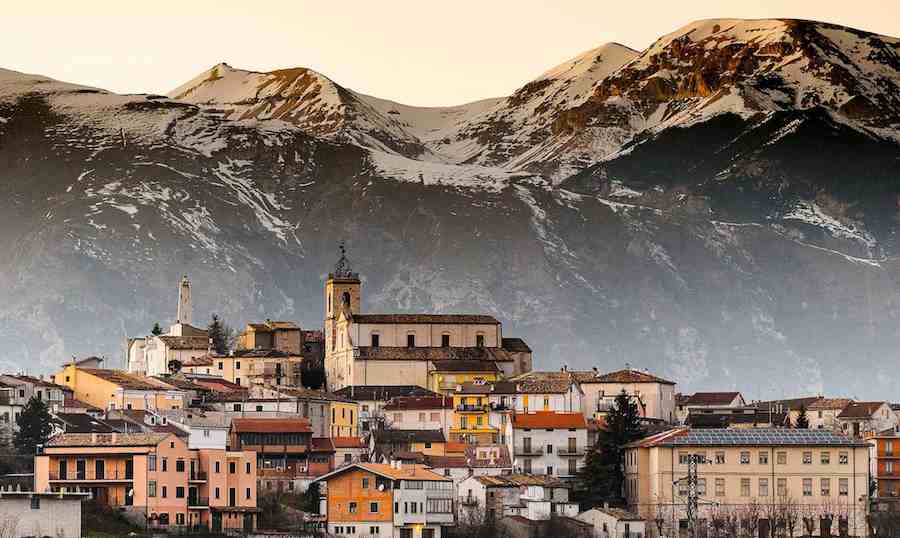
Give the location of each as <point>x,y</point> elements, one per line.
<point>402,349</point>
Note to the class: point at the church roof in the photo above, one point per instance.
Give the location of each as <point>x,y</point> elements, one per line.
<point>442,319</point>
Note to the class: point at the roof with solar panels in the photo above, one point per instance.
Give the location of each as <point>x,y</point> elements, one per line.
<point>746,437</point>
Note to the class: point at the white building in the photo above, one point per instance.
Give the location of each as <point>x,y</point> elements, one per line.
<point>529,496</point>
<point>822,414</point>
<point>862,418</point>
<point>614,522</point>
<point>29,513</point>
<point>685,404</point>
<point>548,443</point>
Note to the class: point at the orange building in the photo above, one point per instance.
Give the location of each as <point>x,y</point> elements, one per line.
<point>884,459</point>
<point>154,478</point>
<point>407,501</point>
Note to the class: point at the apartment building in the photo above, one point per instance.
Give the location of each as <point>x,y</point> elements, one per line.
<point>373,398</point>
<point>445,375</point>
<point>884,454</point>
<point>860,419</point>
<point>330,414</point>
<point>154,479</point>
<point>823,413</point>
<point>655,396</point>
<point>420,412</point>
<point>114,389</point>
<point>548,443</point>
<point>283,336</point>
<point>530,496</point>
<point>817,474</point>
<point>396,500</point>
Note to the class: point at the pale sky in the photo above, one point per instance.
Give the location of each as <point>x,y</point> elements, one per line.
<point>415,52</point>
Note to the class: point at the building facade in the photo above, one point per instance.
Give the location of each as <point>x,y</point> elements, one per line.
<point>548,443</point>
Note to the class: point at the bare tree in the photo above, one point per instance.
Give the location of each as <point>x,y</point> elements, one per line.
<point>732,521</point>
<point>718,517</point>
<point>659,515</point>
<point>751,516</point>
<point>790,514</point>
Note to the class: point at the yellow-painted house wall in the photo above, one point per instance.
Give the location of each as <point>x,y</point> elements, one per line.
<point>446,382</point>
<point>344,419</point>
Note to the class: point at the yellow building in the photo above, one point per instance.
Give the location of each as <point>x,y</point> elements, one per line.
<point>250,367</point>
<point>344,417</point>
<point>748,475</point>
<point>471,419</point>
<point>114,389</point>
<point>279,335</point>
<point>446,375</point>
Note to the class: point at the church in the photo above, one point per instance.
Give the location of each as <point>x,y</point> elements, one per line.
<point>403,349</point>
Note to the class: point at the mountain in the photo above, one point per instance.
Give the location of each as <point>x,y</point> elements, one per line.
<point>721,208</point>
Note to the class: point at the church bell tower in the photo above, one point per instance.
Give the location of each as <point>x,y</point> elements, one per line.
<point>185,308</point>
<point>342,293</point>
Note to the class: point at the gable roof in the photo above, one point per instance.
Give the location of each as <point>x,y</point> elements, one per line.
<point>544,382</point>
<point>39,382</point>
<point>407,471</point>
<point>382,393</point>
<point>518,480</point>
<point>790,404</point>
<point>830,404</point>
<point>489,387</point>
<point>442,319</point>
<point>620,376</point>
<point>548,419</point>
<point>860,410</point>
<point>271,425</point>
<point>82,423</point>
<point>515,345</point>
<point>348,442</point>
<point>710,398</point>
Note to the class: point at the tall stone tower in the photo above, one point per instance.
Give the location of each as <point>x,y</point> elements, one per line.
<point>342,291</point>
<point>185,308</point>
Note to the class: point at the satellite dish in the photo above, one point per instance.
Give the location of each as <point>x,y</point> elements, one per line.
<point>380,487</point>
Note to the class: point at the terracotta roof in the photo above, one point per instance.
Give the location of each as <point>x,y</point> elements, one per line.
<point>348,442</point>
<point>518,480</point>
<point>322,444</point>
<point>465,365</point>
<point>543,382</point>
<point>443,319</point>
<point>548,419</point>
<point>860,410</point>
<point>384,353</point>
<point>502,460</point>
<point>515,345</point>
<point>122,379</point>
<point>710,398</point>
<point>419,402</point>
<point>40,382</point>
<point>178,383</point>
<point>405,472</point>
<point>186,342</point>
<point>382,393</point>
<point>271,425</point>
<point>620,376</point>
<point>107,439</point>
<point>408,436</point>
<point>490,387</point>
<point>830,404</point>
<point>72,402</point>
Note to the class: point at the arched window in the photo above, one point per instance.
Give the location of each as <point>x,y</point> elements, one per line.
<point>346,298</point>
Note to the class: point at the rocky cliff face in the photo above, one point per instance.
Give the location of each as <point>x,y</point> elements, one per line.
<point>721,208</point>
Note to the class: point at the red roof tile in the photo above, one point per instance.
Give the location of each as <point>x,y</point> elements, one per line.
<point>271,425</point>
<point>548,419</point>
<point>348,442</point>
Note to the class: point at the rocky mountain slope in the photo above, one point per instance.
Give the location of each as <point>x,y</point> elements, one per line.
<point>721,208</point>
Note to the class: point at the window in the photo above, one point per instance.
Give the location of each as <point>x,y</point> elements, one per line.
<point>410,340</point>
<point>236,407</point>
<point>259,408</point>
<point>763,458</point>
<point>179,466</point>
<point>232,467</point>
<point>843,458</point>
<point>35,503</point>
<point>549,470</point>
<point>682,488</point>
<point>165,492</point>
<point>889,448</point>
<point>807,458</point>
<point>825,486</point>
<point>165,464</point>
<point>151,462</point>
<point>373,508</point>
<point>763,487</point>
<point>782,487</point>
<point>843,487</point>
<point>436,417</point>
<point>221,365</point>
<point>248,494</point>
<point>352,507</point>
<point>217,467</point>
<point>439,506</point>
<point>701,486</point>
<point>374,530</point>
<point>179,492</point>
<point>825,458</point>
<point>745,487</point>
<point>445,340</point>
<point>889,467</point>
<point>217,493</point>
<point>807,487</point>
<point>427,445</point>
<point>179,519</point>
<point>781,458</point>
<point>151,488</point>
<point>479,340</point>
<point>720,487</point>
<point>376,340</point>
<point>237,365</point>
<point>573,466</point>
<point>365,483</point>
<point>347,459</point>
<point>720,458</point>
<point>745,458</point>
<point>684,458</point>
<point>398,418</point>
<point>421,417</point>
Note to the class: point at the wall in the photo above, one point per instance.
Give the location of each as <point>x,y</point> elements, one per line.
<point>658,398</point>
<point>56,517</point>
<point>347,487</point>
<point>427,334</point>
<point>559,439</point>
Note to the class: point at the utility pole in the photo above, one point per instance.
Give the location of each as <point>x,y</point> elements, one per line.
<point>693,494</point>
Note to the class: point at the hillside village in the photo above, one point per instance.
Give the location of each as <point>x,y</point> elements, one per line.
<point>429,425</point>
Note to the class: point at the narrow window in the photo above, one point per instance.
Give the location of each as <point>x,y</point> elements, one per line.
<point>410,340</point>
<point>375,340</point>
<point>445,340</point>
<point>479,340</point>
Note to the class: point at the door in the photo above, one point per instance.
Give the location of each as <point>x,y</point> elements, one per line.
<point>232,497</point>
<point>63,469</point>
<point>80,466</point>
<point>217,521</point>
<point>248,522</point>
<point>129,469</point>
<point>129,496</point>
<point>99,469</point>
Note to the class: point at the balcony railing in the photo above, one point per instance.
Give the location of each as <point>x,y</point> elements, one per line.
<point>468,501</point>
<point>529,451</point>
<point>570,451</point>
<point>198,476</point>
<point>111,474</point>
<point>201,502</point>
<point>468,408</point>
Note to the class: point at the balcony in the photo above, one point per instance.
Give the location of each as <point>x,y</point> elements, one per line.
<point>112,475</point>
<point>198,503</point>
<point>198,476</point>
<point>570,452</point>
<point>529,451</point>
<point>468,501</point>
<point>467,408</point>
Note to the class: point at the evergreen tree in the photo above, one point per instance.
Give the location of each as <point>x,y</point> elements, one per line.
<point>603,476</point>
<point>218,333</point>
<point>34,427</point>
<point>802,419</point>
<point>157,330</point>
<point>311,496</point>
